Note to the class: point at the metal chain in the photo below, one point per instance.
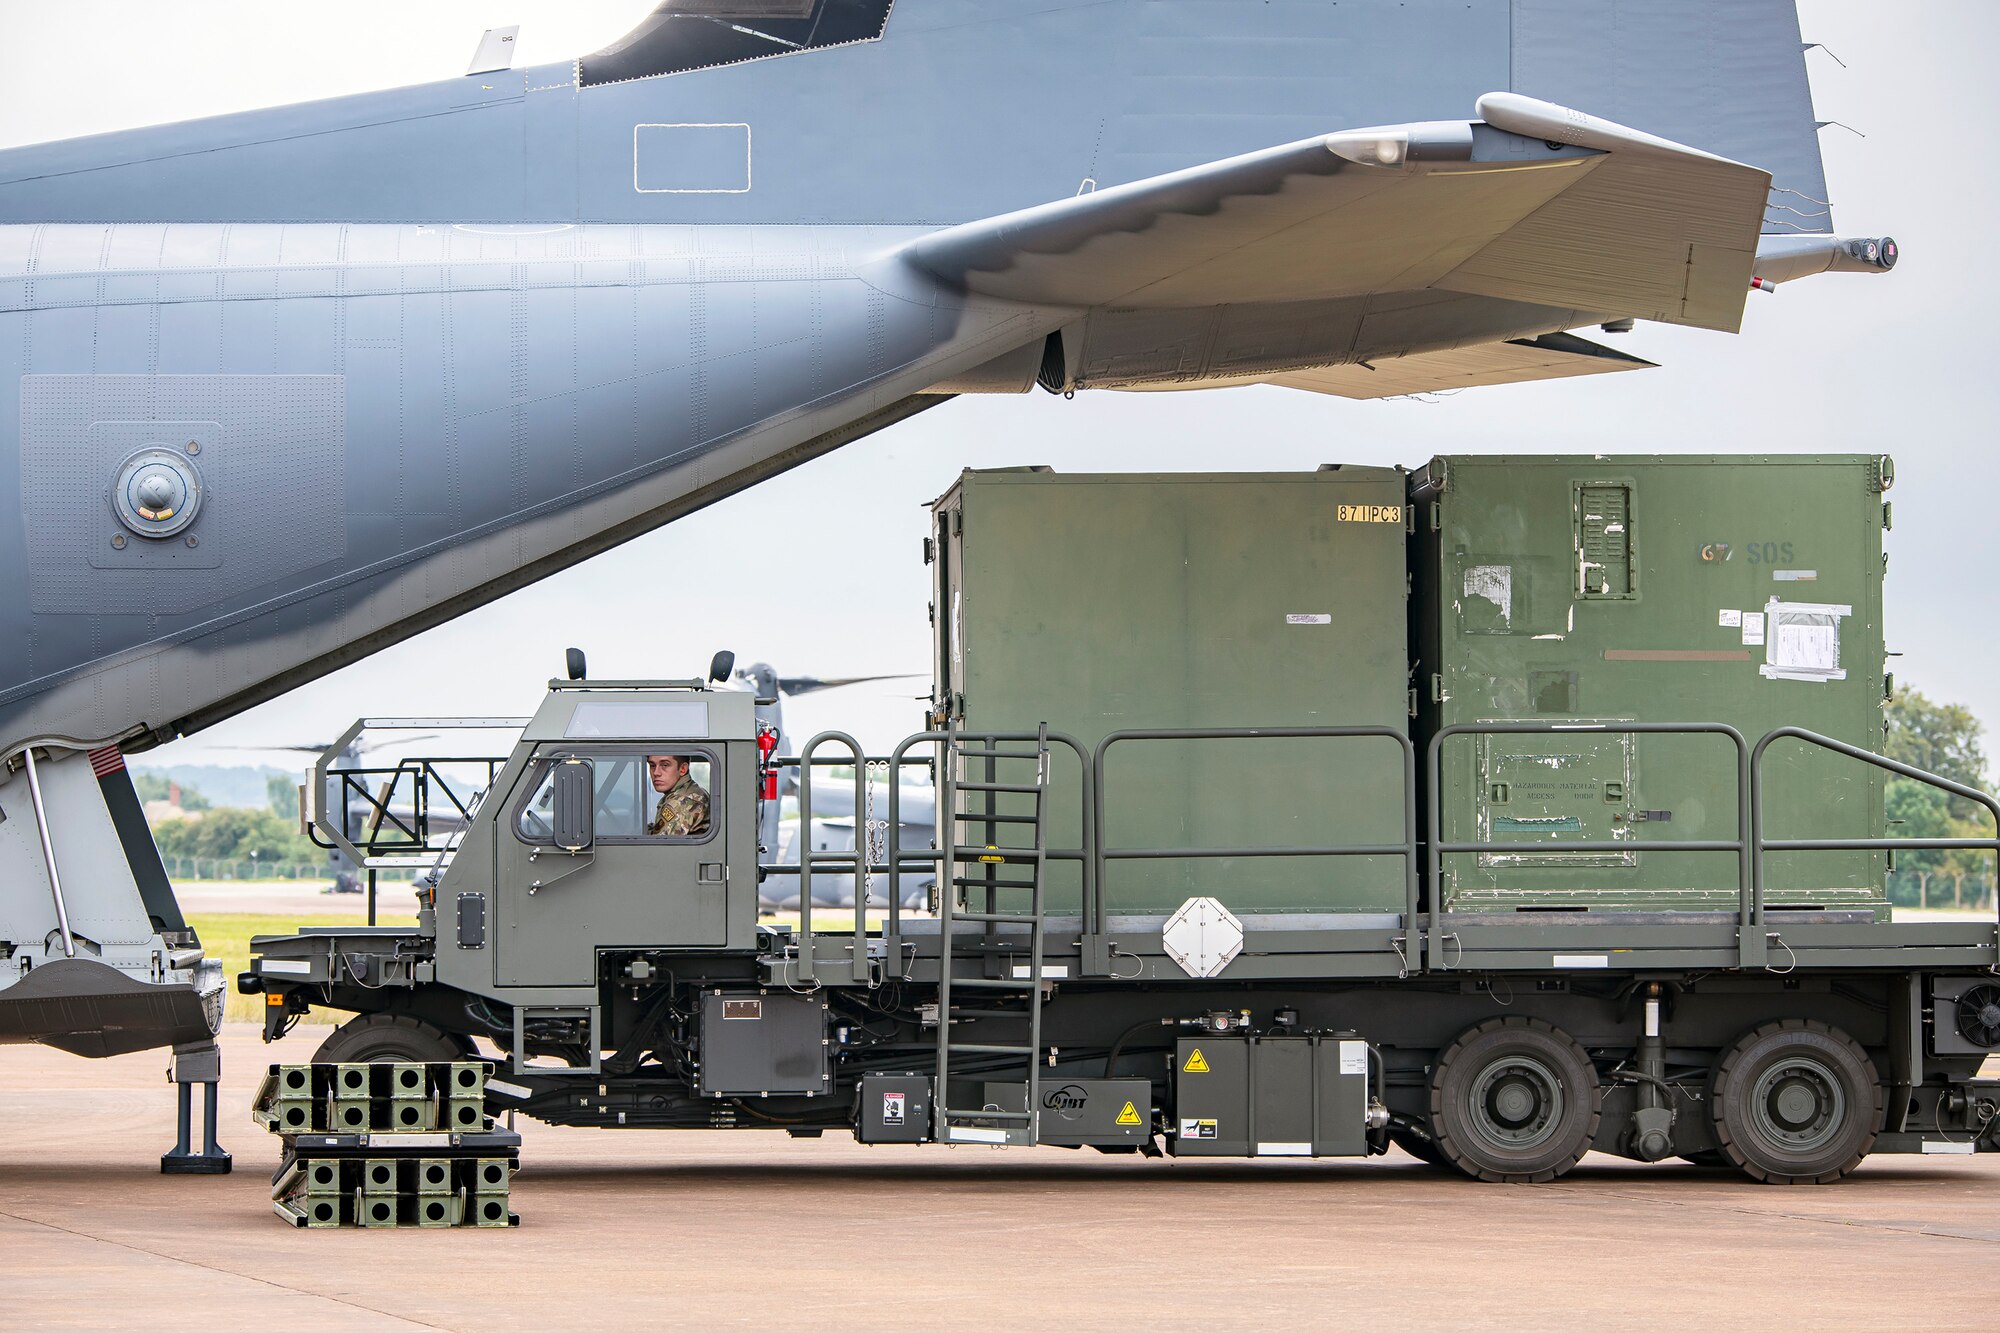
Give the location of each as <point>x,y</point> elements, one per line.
<point>874,832</point>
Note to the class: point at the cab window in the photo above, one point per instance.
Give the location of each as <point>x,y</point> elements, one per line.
<point>626,785</point>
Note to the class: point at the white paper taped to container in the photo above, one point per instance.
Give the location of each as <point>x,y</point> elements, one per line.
<point>1495,583</point>
<point>1804,641</point>
<point>1309,618</point>
<point>1753,629</point>
<point>1728,619</point>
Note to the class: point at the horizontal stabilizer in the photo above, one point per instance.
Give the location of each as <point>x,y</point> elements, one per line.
<point>1552,356</point>
<point>1536,204</point>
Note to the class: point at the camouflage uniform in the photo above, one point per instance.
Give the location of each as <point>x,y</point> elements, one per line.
<point>683,811</point>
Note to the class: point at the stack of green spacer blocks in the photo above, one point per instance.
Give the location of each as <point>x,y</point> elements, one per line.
<point>465,1096</point>
<point>490,1179</point>
<point>366,1110</point>
<point>353,1099</point>
<point>379,1203</point>
<point>412,1105</point>
<point>294,1108</point>
<point>439,1202</point>
<point>323,1192</point>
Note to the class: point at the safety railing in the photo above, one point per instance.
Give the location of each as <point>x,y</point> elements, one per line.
<point>893,936</point>
<point>1767,844</point>
<point>1406,849</point>
<point>402,811</point>
<point>1750,846</point>
<point>1750,938</point>
<point>857,861</point>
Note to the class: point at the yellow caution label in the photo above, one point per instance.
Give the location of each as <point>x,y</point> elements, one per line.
<point>1129,1116</point>
<point>1195,1064</point>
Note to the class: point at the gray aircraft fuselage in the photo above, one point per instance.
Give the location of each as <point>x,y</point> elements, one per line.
<point>426,345</point>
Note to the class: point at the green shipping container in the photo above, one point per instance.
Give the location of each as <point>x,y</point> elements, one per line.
<point>1659,589</point>
<point>1101,603</point>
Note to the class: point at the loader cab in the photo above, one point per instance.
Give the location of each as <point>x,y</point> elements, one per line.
<point>577,864</point>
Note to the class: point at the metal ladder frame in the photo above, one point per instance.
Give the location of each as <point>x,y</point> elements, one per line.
<point>949,1123</point>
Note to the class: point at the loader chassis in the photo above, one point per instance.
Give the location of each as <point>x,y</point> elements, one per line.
<point>808,1029</point>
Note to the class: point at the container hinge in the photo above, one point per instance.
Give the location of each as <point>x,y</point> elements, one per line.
<point>1437,516</point>
<point>1413,702</point>
<point>1409,518</point>
<point>1437,688</point>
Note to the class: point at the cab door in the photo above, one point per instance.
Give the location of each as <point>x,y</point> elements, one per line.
<point>627,889</point>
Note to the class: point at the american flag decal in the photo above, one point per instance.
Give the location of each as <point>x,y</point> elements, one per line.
<point>106,760</point>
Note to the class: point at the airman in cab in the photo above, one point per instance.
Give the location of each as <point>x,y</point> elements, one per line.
<point>683,808</point>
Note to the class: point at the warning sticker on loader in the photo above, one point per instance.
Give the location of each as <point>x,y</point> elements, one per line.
<point>1196,1063</point>
<point>1198,1129</point>
<point>893,1108</point>
<point>1129,1116</point>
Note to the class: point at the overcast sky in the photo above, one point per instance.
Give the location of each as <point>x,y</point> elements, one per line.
<point>1900,364</point>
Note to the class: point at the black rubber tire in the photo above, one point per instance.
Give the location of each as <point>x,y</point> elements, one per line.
<point>389,1037</point>
<point>1514,1065</point>
<point>1835,1093</point>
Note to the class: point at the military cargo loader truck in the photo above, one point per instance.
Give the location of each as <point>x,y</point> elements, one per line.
<point>1506,810</point>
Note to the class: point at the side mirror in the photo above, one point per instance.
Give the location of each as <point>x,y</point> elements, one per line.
<point>573,659</point>
<point>721,665</point>
<point>575,804</point>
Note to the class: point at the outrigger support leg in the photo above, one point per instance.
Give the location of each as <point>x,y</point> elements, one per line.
<point>196,1062</point>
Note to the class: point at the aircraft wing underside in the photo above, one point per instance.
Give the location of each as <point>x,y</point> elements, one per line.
<point>1404,241</point>
<point>1508,361</point>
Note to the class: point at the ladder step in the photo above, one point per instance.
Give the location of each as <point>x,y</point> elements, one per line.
<point>987,1048</point>
<point>958,915</point>
<point>995,983</point>
<point>966,882</point>
<point>953,1114</point>
<point>999,754</point>
<point>1023,788</point>
<point>999,856</point>
<point>970,818</point>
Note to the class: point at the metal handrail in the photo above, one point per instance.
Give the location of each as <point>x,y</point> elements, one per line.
<point>1090,907</point>
<point>856,859</point>
<point>1407,849</point>
<point>415,833</point>
<point>1750,907</point>
<point>1764,844</point>
<point>858,964</point>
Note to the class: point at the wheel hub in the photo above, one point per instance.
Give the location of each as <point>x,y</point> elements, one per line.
<point>1516,1103</point>
<point>1799,1104</point>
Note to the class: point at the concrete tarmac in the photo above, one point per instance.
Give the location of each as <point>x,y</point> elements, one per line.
<point>641,1229</point>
